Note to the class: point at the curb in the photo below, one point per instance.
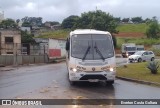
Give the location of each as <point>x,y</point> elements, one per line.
<point>138,81</point>
<point>57,61</point>
<point>7,69</point>
<point>10,68</point>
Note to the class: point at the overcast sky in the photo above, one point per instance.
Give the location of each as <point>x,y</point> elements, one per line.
<point>57,10</point>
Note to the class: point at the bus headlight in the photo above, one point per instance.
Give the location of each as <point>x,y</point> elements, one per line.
<point>111,69</point>
<point>74,70</point>
<point>108,69</point>
<point>127,54</point>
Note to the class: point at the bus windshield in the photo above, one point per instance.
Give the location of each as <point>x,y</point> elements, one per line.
<point>100,46</point>
<point>130,48</point>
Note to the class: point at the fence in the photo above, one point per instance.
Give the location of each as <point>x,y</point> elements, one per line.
<point>19,54</point>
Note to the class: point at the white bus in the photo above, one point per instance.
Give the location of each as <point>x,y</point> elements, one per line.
<point>90,56</point>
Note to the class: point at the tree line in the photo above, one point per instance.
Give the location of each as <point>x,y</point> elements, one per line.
<point>98,20</point>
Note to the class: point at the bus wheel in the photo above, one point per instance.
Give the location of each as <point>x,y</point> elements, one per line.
<point>72,82</point>
<point>109,82</point>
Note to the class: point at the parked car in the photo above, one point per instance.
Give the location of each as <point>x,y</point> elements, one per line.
<point>140,56</point>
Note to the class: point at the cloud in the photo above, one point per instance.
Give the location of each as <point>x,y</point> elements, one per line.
<point>57,10</point>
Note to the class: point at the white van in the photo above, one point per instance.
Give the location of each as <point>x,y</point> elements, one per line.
<point>90,56</point>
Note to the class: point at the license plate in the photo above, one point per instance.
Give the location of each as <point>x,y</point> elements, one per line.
<point>93,80</point>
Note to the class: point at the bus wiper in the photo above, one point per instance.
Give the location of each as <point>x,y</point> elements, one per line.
<point>89,47</point>
<point>99,52</point>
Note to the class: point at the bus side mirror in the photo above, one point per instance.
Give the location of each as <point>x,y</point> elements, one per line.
<point>67,45</point>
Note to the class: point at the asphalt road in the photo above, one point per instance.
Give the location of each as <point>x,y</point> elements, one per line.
<point>50,82</point>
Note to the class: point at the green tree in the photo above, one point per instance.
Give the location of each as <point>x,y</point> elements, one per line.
<point>70,22</point>
<point>118,19</point>
<point>17,21</point>
<point>8,23</point>
<point>33,21</point>
<point>137,19</point>
<point>147,20</point>
<point>27,38</point>
<point>98,20</point>
<point>26,24</point>
<point>153,29</point>
<point>125,20</point>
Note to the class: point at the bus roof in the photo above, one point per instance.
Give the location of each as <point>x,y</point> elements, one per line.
<point>88,31</point>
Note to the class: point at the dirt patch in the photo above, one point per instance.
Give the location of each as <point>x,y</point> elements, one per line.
<point>130,34</point>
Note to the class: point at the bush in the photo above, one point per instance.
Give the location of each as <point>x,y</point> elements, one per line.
<point>153,29</point>
<point>153,67</point>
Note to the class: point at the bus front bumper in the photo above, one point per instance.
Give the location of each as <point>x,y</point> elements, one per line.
<point>92,76</point>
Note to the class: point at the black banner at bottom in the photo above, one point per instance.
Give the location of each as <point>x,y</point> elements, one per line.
<point>80,101</point>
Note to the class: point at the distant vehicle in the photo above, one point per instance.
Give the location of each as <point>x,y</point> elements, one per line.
<point>128,49</point>
<point>140,47</point>
<point>140,56</point>
<point>90,56</point>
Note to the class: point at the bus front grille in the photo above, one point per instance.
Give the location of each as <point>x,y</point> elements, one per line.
<point>92,64</point>
<point>92,71</point>
<point>87,77</point>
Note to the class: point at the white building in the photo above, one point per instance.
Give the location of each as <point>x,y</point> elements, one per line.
<point>28,29</point>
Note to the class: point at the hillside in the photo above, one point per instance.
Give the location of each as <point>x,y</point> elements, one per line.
<point>128,33</point>
<point>54,34</point>
<point>125,30</point>
<point>131,30</point>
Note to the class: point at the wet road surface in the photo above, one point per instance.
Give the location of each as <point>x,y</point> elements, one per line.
<point>51,82</point>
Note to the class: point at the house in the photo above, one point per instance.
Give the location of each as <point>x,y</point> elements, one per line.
<point>52,26</point>
<point>28,29</point>
<point>56,27</point>
<point>10,42</point>
<point>47,24</point>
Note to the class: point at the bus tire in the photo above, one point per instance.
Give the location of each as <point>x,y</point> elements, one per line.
<point>72,82</point>
<point>109,82</point>
<point>123,56</point>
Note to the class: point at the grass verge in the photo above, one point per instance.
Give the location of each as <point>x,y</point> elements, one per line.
<point>132,28</point>
<point>138,71</point>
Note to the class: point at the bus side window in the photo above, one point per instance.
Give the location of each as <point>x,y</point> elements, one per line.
<point>67,45</point>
